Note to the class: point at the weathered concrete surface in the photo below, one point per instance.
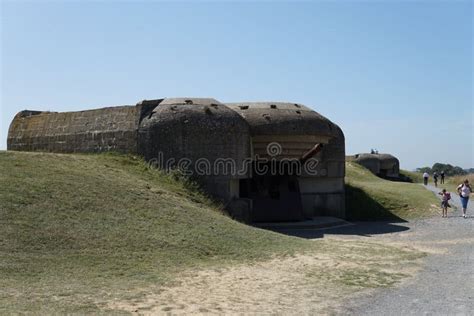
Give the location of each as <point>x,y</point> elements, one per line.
<point>384,165</point>
<point>297,128</point>
<point>107,129</point>
<point>200,132</point>
<point>278,118</point>
<point>195,133</point>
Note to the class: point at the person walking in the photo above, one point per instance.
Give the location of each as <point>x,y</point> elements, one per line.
<point>435,178</point>
<point>446,196</point>
<point>425,178</point>
<point>442,177</point>
<point>464,190</point>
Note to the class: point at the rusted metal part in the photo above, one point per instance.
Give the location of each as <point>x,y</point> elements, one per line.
<point>311,153</point>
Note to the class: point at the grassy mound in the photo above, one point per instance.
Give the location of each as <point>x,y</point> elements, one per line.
<point>79,232</point>
<point>370,197</point>
<point>415,177</point>
<point>75,228</point>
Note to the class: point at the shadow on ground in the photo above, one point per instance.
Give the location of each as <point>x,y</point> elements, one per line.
<point>367,217</point>
<point>366,229</point>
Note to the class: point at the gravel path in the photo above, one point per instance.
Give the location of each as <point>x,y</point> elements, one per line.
<point>445,286</point>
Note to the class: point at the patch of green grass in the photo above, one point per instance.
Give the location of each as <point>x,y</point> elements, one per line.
<point>366,264</point>
<point>415,177</point>
<point>78,230</point>
<point>369,197</point>
<point>363,277</point>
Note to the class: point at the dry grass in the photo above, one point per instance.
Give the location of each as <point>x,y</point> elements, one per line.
<point>91,233</point>
<point>79,229</point>
<point>451,183</point>
<point>415,177</point>
<point>317,282</point>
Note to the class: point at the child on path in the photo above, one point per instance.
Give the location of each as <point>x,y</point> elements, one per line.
<point>446,196</point>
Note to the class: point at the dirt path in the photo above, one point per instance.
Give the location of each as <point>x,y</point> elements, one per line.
<point>446,284</point>
<point>275,287</point>
<point>306,284</point>
<point>336,279</point>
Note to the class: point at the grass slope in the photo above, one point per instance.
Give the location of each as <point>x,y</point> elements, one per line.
<point>415,177</point>
<point>78,232</point>
<point>370,197</point>
<point>85,223</point>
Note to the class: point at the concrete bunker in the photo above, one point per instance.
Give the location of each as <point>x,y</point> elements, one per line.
<point>284,133</point>
<point>382,165</point>
<point>203,136</point>
<point>223,146</point>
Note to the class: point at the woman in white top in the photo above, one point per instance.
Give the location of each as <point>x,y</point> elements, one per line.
<point>425,178</point>
<point>464,190</point>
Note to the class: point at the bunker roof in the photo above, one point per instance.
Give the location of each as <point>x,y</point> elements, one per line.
<point>273,118</point>
<point>379,157</point>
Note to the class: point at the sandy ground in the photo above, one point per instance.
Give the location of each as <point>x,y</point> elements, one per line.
<point>445,286</point>
<point>272,287</point>
<point>293,285</point>
<point>301,285</point>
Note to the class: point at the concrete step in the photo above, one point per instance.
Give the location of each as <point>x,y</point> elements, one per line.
<point>317,222</point>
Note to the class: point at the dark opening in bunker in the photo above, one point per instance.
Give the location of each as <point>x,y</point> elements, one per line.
<point>275,197</point>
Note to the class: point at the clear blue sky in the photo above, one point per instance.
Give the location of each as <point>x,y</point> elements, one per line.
<point>396,76</point>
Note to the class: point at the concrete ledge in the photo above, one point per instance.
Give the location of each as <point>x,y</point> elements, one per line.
<point>317,222</point>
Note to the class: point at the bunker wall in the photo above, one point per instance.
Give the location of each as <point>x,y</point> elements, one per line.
<point>107,129</point>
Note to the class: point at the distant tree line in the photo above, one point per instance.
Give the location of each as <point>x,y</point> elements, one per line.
<point>449,170</point>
